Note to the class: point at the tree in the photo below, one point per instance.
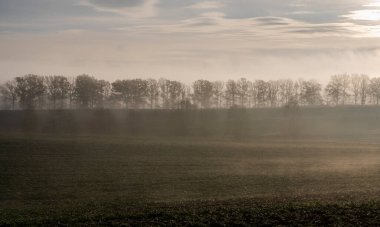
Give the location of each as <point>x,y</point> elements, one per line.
<point>171,93</point>
<point>355,87</point>
<point>30,89</point>
<point>337,88</point>
<point>252,91</point>
<point>8,93</point>
<point>217,91</point>
<point>272,93</point>
<point>104,93</point>
<point>231,92</point>
<point>374,88</point>
<point>364,88</point>
<point>87,91</point>
<point>164,92</point>
<point>311,92</point>
<point>175,91</point>
<point>185,102</point>
<point>243,91</point>
<point>57,89</point>
<point>286,91</point>
<point>71,91</point>
<point>261,88</point>
<point>121,92</point>
<point>132,92</point>
<point>345,80</point>
<point>203,91</point>
<point>153,92</point>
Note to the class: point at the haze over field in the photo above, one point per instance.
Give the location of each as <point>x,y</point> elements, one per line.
<point>190,39</point>
<point>189,112</point>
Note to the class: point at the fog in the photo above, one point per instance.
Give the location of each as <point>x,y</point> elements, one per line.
<point>309,122</point>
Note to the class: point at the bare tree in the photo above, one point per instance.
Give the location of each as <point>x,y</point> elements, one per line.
<point>262,92</point>
<point>231,93</point>
<point>88,91</point>
<point>337,88</point>
<point>355,87</point>
<point>375,89</point>
<point>170,93</point>
<point>29,89</point>
<point>132,92</point>
<point>310,92</point>
<point>252,94</point>
<point>286,91</point>
<point>346,82</point>
<point>273,90</point>
<point>243,91</point>
<point>71,91</point>
<point>175,89</point>
<point>104,93</point>
<point>57,89</point>
<point>364,88</point>
<point>217,91</point>
<point>203,91</point>
<point>185,102</point>
<point>164,92</point>
<point>153,92</point>
<point>8,93</point>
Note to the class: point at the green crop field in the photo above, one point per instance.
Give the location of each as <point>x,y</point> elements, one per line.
<point>123,180</point>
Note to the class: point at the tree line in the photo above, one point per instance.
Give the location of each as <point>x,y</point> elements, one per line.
<point>84,91</point>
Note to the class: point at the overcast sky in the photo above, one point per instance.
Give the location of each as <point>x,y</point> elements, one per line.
<point>190,39</point>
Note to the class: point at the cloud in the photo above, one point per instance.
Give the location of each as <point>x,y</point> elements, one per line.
<point>268,21</point>
<point>217,39</point>
<point>131,8</point>
<point>207,5</point>
<point>270,28</point>
<point>311,11</point>
<point>366,15</point>
<point>117,4</point>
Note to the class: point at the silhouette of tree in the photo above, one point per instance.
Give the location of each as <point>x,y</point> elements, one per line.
<point>203,91</point>
<point>88,91</point>
<point>311,92</point>
<point>175,90</point>
<point>57,89</point>
<point>104,93</point>
<point>345,80</point>
<point>30,89</point>
<point>164,92</point>
<point>231,93</point>
<point>355,87</point>
<point>217,91</point>
<point>261,92</point>
<point>243,91</point>
<point>132,92</point>
<point>375,89</point>
<point>337,88</point>
<point>153,91</point>
<point>286,91</point>
<point>364,88</point>
<point>9,94</point>
<point>273,91</point>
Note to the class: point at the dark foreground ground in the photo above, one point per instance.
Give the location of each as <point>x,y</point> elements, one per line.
<point>139,181</point>
<point>244,212</point>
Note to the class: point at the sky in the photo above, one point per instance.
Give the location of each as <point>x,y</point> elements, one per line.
<point>188,40</point>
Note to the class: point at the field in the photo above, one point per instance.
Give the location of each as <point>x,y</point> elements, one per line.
<point>120,179</point>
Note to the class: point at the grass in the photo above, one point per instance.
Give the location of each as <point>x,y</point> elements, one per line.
<point>118,180</point>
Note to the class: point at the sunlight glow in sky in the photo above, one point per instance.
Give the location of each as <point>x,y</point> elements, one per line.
<point>371,15</point>
<point>190,39</point>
